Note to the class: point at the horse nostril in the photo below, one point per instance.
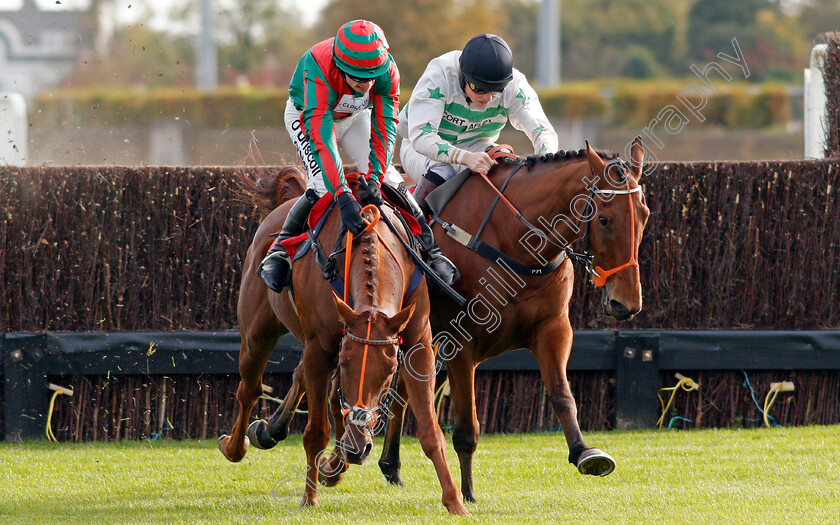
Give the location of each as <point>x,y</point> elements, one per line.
<point>619,308</point>
<point>368,447</point>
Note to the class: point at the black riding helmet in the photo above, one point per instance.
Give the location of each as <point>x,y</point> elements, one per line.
<point>486,63</point>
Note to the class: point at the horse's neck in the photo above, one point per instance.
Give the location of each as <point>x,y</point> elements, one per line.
<point>542,195</point>
<point>375,279</point>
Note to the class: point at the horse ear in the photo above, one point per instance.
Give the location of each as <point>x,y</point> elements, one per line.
<point>637,155</point>
<point>397,323</point>
<point>595,160</point>
<point>345,313</point>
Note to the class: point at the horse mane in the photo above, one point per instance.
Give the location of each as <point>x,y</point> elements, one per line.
<point>562,155</point>
<point>370,254</point>
<point>268,188</point>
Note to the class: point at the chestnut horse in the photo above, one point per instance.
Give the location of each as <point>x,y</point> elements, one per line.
<point>574,195</point>
<point>368,335</point>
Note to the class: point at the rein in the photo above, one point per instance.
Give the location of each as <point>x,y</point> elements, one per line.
<point>488,251</point>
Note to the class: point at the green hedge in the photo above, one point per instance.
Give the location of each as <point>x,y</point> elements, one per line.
<point>736,106</point>
<point>632,103</point>
<point>223,108</point>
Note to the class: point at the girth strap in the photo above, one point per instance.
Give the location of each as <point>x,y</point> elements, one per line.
<point>494,254</point>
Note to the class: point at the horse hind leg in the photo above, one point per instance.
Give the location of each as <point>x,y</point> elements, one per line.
<point>466,427</point>
<point>264,435</point>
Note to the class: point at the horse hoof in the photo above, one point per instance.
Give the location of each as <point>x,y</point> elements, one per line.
<point>595,462</point>
<point>391,473</point>
<point>223,439</point>
<point>258,435</point>
<point>395,479</point>
<point>457,509</point>
<point>332,481</point>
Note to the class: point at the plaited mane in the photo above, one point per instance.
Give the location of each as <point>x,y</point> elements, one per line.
<point>532,160</point>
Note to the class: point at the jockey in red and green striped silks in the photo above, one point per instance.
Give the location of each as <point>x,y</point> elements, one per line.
<point>345,92</point>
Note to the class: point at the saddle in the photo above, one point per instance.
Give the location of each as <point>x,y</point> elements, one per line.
<point>438,198</point>
<point>298,246</point>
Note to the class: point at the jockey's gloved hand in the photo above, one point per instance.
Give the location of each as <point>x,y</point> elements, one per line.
<point>369,192</point>
<point>351,213</point>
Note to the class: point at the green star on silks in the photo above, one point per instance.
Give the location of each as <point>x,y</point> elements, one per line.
<point>428,128</point>
<point>543,148</point>
<point>540,128</point>
<point>443,149</point>
<point>435,93</point>
<point>522,95</point>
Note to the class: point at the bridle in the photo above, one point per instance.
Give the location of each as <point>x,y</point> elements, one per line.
<point>597,274</point>
<point>359,414</point>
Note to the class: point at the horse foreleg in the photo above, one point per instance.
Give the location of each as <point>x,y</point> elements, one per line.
<point>265,435</point>
<point>389,462</point>
<point>421,394</point>
<point>465,431</point>
<point>252,361</point>
<point>552,347</point>
<point>316,436</point>
<point>334,466</point>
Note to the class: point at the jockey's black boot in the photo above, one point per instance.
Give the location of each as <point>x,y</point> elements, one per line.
<point>429,248</point>
<point>275,269</point>
<point>427,183</point>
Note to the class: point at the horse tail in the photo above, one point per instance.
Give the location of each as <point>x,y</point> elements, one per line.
<point>269,188</point>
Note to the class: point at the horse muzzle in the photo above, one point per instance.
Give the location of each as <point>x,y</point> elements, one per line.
<point>357,448</point>
<point>617,309</point>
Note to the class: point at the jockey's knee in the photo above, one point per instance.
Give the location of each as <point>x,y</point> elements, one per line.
<point>440,173</point>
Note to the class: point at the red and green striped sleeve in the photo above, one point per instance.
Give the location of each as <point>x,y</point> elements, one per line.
<point>318,122</point>
<point>383,121</point>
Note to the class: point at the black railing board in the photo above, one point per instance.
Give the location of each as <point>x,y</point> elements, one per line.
<point>749,349</point>
<point>636,379</point>
<point>591,350</point>
<point>29,358</point>
<point>25,387</point>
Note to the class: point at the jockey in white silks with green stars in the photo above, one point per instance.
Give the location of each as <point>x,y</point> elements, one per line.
<point>458,109</point>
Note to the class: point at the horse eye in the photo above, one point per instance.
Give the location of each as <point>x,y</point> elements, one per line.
<point>604,222</point>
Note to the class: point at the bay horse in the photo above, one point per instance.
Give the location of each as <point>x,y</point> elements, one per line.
<point>572,195</point>
<point>361,342</point>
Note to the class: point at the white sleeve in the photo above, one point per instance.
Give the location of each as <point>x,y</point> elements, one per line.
<point>527,115</point>
<point>424,114</point>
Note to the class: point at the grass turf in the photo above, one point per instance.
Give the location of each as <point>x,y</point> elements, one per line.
<point>782,475</point>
